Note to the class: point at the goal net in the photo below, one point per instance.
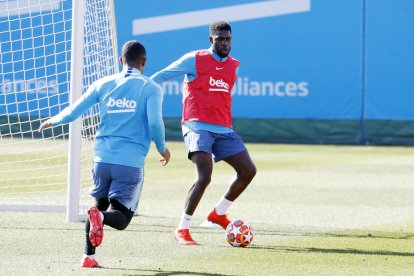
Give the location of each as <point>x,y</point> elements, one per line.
<point>51,52</point>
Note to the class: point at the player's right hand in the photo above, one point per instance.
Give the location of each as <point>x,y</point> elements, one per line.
<point>44,125</point>
<point>166,157</point>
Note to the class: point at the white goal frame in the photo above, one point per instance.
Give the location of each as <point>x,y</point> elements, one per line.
<point>76,84</point>
<point>76,88</point>
<point>74,208</point>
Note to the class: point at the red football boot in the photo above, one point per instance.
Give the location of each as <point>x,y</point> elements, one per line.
<point>183,237</point>
<point>221,220</point>
<point>89,263</point>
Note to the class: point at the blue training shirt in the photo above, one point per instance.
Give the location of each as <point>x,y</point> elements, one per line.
<point>130,107</point>
<point>186,65</point>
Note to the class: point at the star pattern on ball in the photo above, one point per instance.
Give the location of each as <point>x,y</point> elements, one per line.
<point>239,233</point>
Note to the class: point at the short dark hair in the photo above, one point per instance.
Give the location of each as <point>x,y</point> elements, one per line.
<point>219,26</point>
<point>133,52</point>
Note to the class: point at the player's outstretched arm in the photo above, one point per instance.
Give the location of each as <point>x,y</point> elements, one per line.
<point>74,111</point>
<point>182,66</point>
<point>165,157</point>
<point>45,125</point>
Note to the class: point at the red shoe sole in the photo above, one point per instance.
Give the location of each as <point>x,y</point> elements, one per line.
<point>96,232</point>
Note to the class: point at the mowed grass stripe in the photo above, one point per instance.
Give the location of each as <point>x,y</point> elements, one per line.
<point>316,210</point>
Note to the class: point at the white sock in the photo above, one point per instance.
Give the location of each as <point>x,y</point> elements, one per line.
<point>185,221</point>
<point>222,206</point>
<point>92,257</point>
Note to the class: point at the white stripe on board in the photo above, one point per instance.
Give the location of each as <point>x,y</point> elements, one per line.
<point>230,13</point>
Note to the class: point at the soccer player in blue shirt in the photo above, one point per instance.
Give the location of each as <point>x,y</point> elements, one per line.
<point>206,124</point>
<point>130,114</point>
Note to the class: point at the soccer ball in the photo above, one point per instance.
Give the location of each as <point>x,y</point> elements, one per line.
<point>239,233</point>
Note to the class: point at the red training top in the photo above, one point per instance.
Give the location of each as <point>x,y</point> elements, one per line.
<point>207,98</point>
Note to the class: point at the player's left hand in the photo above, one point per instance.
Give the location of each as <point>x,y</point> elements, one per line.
<point>44,125</point>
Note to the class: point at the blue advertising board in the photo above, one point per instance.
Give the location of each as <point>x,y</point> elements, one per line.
<point>389,60</point>
<point>299,58</point>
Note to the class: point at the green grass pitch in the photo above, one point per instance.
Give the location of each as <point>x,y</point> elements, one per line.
<point>315,209</point>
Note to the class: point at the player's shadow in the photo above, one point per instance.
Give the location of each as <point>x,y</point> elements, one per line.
<point>330,250</point>
<point>151,272</point>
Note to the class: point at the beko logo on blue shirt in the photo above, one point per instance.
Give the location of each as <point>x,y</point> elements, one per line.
<point>123,105</point>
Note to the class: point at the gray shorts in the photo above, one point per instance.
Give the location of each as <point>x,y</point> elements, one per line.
<point>220,145</point>
<point>119,182</point>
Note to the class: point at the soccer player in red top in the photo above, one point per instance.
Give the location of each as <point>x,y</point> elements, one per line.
<point>207,124</point>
